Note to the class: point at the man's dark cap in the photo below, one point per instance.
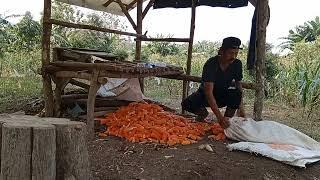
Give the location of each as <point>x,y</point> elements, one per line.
<point>231,43</point>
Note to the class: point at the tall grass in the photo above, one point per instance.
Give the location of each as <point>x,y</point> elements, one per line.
<point>20,63</point>
<point>16,91</point>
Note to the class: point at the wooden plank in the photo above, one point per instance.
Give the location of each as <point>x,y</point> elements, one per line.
<point>87,66</point>
<point>192,27</point>
<point>99,102</point>
<point>262,20</point>
<point>78,83</point>
<point>85,55</point>
<point>72,74</point>
<point>45,59</point>
<point>71,97</point>
<point>95,28</point>
<point>97,109</point>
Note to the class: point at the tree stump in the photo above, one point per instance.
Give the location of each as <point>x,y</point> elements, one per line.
<point>34,148</point>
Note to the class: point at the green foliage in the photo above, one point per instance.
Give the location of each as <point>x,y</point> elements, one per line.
<point>27,33</point>
<point>121,54</point>
<point>298,82</point>
<point>206,47</point>
<point>16,92</point>
<point>307,32</point>
<point>66,37</point>
<point>162,48</point>
<point>307,66</point>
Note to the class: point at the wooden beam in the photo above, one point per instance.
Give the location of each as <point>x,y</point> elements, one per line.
<point>95,28</point>
<point>129,6</point>
<point>106,4</point>
<point>45,58</point>
<point>72,74</point>
<point>164,39</point>
<point>61,83</point>
<point>138,42</point>
<point>192,27</point>
<point>125,12</point>
<point>94,86</point>
<point>245,85</point>
<point>84,66</point>
<point>139,30</point>
<point>262,20</point>
<point>145,11</point>
<point>80,84</point>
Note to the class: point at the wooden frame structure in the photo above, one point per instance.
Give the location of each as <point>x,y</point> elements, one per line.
<point>51,108</point>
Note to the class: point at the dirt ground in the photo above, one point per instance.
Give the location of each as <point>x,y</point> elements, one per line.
<point>115,158</point>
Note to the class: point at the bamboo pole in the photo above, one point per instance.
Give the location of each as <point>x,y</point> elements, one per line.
<point>45,58</point>
<point>84,26</point>
<point>164,39</point>
<point>192,27</point>
<point>138,42</point>
<point>262,20</point>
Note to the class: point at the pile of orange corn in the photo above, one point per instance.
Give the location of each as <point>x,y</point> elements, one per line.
<point>143,122</point>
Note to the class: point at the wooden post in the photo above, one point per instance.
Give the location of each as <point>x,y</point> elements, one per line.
<point>91,101</point>
<point>46,34</point>
<point>61,83</point>
<point>138,42</point>
<point>262,20</point>
<point>192,27</point>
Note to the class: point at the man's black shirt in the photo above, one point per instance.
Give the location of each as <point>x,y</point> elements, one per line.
<point>222,80</point>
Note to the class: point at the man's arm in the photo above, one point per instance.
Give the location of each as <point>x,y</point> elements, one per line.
<point>208,89</point>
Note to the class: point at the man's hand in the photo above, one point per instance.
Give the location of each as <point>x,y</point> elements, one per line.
<point>224,122</point>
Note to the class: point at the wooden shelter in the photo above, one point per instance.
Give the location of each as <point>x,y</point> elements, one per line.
<point>62,72</point>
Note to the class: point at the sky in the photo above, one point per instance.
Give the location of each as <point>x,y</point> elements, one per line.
<point>212,24</point>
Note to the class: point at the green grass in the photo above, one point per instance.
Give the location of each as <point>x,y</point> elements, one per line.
<point>15,92</point>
